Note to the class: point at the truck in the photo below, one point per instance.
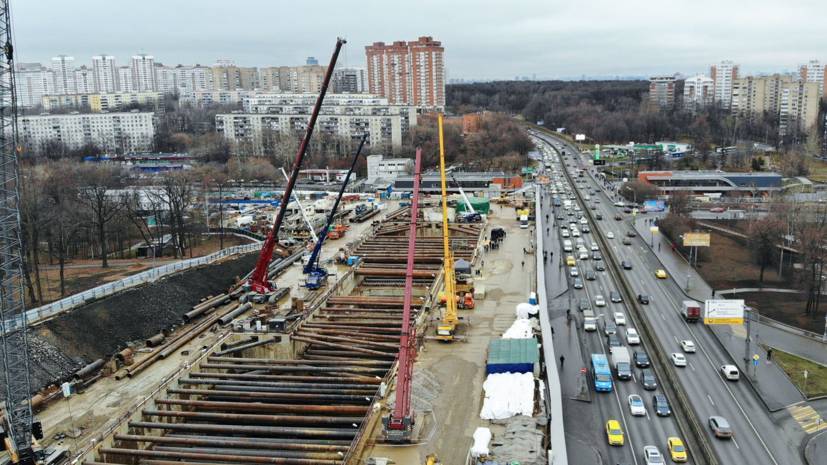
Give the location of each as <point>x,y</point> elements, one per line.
<point>691,311</point>
<point>589,320</point>
<point>622,362</point>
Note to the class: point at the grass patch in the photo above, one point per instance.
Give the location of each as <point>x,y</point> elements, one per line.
<point>794,366</point>
<point>818,170</point>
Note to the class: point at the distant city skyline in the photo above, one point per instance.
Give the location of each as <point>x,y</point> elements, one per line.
<point>488,40</point>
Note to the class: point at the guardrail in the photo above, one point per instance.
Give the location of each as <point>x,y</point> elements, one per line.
<point>686,419</point>
<point>44,312</point>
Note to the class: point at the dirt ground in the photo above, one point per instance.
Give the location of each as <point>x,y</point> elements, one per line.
<point>733,266</point>
<point>787,308</point>
<point>81,275</point>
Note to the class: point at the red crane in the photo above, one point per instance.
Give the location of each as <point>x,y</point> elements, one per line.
<point>399,424</point>
<point>258,281</point>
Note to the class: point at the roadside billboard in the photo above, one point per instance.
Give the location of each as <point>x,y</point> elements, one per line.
<point>654,205</point>
<point>696,239</point>
<point>579,137</point>
<point>724,312</point>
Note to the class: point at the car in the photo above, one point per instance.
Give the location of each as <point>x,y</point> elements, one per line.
<point>582,254</point>
<point>618,217</point>
<point>641,359</point>
<point>570,261</point>
<point>677,450</point>
<point>678,359</point>
<point>688,346</point>
<point>613,341</point>
<point>560,217</point>
<point>660,273</point>
<point>624,370</point>
<point>720,427</point>
<point>636,406</point>
<point>627,265</point>
<point>730,372</point>
<point>593,207</point>
<point>614,433</point>
<point>648,380</point>
<point>643,299</point>
<point>632,337</point>
<point>591,275</point>
<point>631,233</point>
<point>596,256</point>
<point>620,318</point>
<point>594,247</point>
<point>661,405</point>
<point>717,209</point>
<point>583,221</point>
<point>599,266</point>
<point>627,241</point>
<point>598,216</point>
<point>615,297</point>
<point>583,304</point>
<point>610,235</point>
<point>586,229</point>
<point>578,283</point>
<point>627,210</point>
<point>652,456</point>
<point>565,233</point>
<point>599,301</point>
<point>574,272</point>
<point>609,327</point>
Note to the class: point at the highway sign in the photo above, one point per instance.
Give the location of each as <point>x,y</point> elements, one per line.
<point>598,162</point>
<point>724,312</point>
<point>696,239</point>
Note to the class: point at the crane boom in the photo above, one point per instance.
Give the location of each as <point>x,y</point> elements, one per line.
<point>449,319</point>
<point>462,193</point>
<point>258,281</point>
<point>399,425</point>
<point>18,420</point>
<point>301,210</point>
<point>312,267</point>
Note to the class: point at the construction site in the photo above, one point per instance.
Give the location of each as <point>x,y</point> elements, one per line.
<point>413,339</point>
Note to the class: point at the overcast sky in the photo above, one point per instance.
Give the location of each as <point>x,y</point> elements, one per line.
<point>483,39</point>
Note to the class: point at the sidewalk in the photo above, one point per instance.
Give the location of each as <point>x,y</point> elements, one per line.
<point>769,381</point>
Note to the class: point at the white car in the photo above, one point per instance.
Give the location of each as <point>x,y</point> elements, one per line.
<point>730,372</point>
<point>632,337</point>
<point>636,406</point>
<point>688,346</point>
<point>678,359</point>
<point>573,272</point>
<point>620,318</point>
<point>652,456</point>
<point>599,301</point>
<point>595,248</point>
<point>565,233</point>
<point>610,235</point>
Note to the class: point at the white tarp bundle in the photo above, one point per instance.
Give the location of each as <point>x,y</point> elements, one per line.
<point>507,395</point>
<point>520,329</point>
<point>525,310</point>
<point>482,436</point>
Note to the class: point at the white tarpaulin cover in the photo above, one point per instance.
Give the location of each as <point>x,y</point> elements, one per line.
<point>507,395</point>
<point>482,436</point>
<point>525,310</point>
<point>520,329</point>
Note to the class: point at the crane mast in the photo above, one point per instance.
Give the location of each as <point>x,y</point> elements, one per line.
<point>446,328</point>
<point>18,419</point>
<point>258,281</point>
<point>399,424</point>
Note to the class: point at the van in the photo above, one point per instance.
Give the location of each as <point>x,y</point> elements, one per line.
<point>567,246</point>
<point>590,324</point>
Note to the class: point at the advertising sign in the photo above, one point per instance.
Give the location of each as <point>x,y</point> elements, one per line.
<point>579,137</point>
<point>654,205</point>
<point>724,312</point>
<point>696,240</point>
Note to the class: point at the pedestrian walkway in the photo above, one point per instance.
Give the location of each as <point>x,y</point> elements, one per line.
<point>770,382</point>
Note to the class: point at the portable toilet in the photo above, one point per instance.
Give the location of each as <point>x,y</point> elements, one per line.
<point>532,298</point>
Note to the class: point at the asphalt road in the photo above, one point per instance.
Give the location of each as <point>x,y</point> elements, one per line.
<point>758,438</point>
<point>639,431</point>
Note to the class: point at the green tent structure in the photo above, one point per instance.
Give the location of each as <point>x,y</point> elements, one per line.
<point>481,205</point>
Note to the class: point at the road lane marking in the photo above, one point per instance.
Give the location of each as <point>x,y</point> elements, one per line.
<point>736,444</point>
<point>710,400</point>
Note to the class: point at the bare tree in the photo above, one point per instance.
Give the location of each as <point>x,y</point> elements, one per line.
<point>96,194</point>
<point>679,203</point>
<point>178,194</point>
<point>765,235</point>
<point>61,190</point>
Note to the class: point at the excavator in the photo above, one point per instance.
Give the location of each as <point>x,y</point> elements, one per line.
<point>316,274</point>
<point>447,326</point>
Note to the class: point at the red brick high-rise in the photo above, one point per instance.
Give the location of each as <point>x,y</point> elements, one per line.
<point>408,73</point>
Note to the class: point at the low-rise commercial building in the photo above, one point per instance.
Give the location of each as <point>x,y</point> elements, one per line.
<point>721,182</point>
<point>381,169</point>
<point>114,132</point>
<point>470,181</point>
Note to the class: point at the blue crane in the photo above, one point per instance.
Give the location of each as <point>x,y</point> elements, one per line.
<point>316,275</point>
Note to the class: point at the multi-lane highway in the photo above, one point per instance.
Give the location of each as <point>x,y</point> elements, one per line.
<point>757,439</point>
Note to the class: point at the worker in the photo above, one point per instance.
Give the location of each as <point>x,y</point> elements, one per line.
<point>562,361</point>
<point>769,353</point>
<point>522,264</point>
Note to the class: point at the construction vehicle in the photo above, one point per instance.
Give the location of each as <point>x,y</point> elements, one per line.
<point>258,282</point>
<point>316,274</point>
<point>470,215</point>
<point>337,231</point>
<point>19,427</point>
<point>301,210</point>
<point>447,327</point>
<point>398,426</point>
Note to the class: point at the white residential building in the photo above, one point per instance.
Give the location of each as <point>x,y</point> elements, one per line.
<point>381,169</point>
<point>193,78</point>
<point>105,73</point>
<point>114,132</point>
<point>212,97</point>
<point>64,74</point>
<point>33,81</point>
<point>143,73</point>
<point>815,71</point>
<point>166,78</point>
<point>125,81</point>
<point>84,81</point>
<point>698,92</point>
<point>723,74</point>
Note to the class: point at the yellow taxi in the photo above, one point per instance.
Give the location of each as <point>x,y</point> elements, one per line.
<point>614,433</point>
<point>676,449</point>
<point>570,260</point>
<point>660,273</point>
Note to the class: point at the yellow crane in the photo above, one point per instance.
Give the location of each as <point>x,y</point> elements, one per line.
<point>446,328</point>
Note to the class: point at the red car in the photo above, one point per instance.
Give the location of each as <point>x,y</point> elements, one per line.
<point>717,209</point>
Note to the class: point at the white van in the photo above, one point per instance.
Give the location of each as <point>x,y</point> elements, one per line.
<point>567,246</point>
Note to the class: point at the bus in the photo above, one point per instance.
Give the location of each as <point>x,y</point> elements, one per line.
<point>602,373</point>
<point>523,221</point>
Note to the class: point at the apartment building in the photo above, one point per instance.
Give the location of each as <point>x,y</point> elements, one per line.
<point>114,132</point>
<point>662,91</point>
<point>815,71</point>
<point>32,82</point>
<point>98,102</point>
<point>698,92</point>
<point>166,79</point>
<point>228,76</point>
<point>105,73</point>
<point>208,98</point>
<point>408,73</point>
<point>195,78</point>
<point>63,69</point>
<point>723,74</point>
<point>126,82</point>
<point>85,80</point>
<point>295,79</point>
<point>342,115</point>
<point>793,100</point>
<point>143,73</point>
<point>350,80</point>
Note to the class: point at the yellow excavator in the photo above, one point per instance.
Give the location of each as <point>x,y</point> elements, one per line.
<point>447,327</point>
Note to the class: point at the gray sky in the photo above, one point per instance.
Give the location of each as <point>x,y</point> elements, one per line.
<point>483,39</point>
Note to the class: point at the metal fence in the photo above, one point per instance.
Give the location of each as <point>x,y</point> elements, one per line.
<point>49,310</point>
